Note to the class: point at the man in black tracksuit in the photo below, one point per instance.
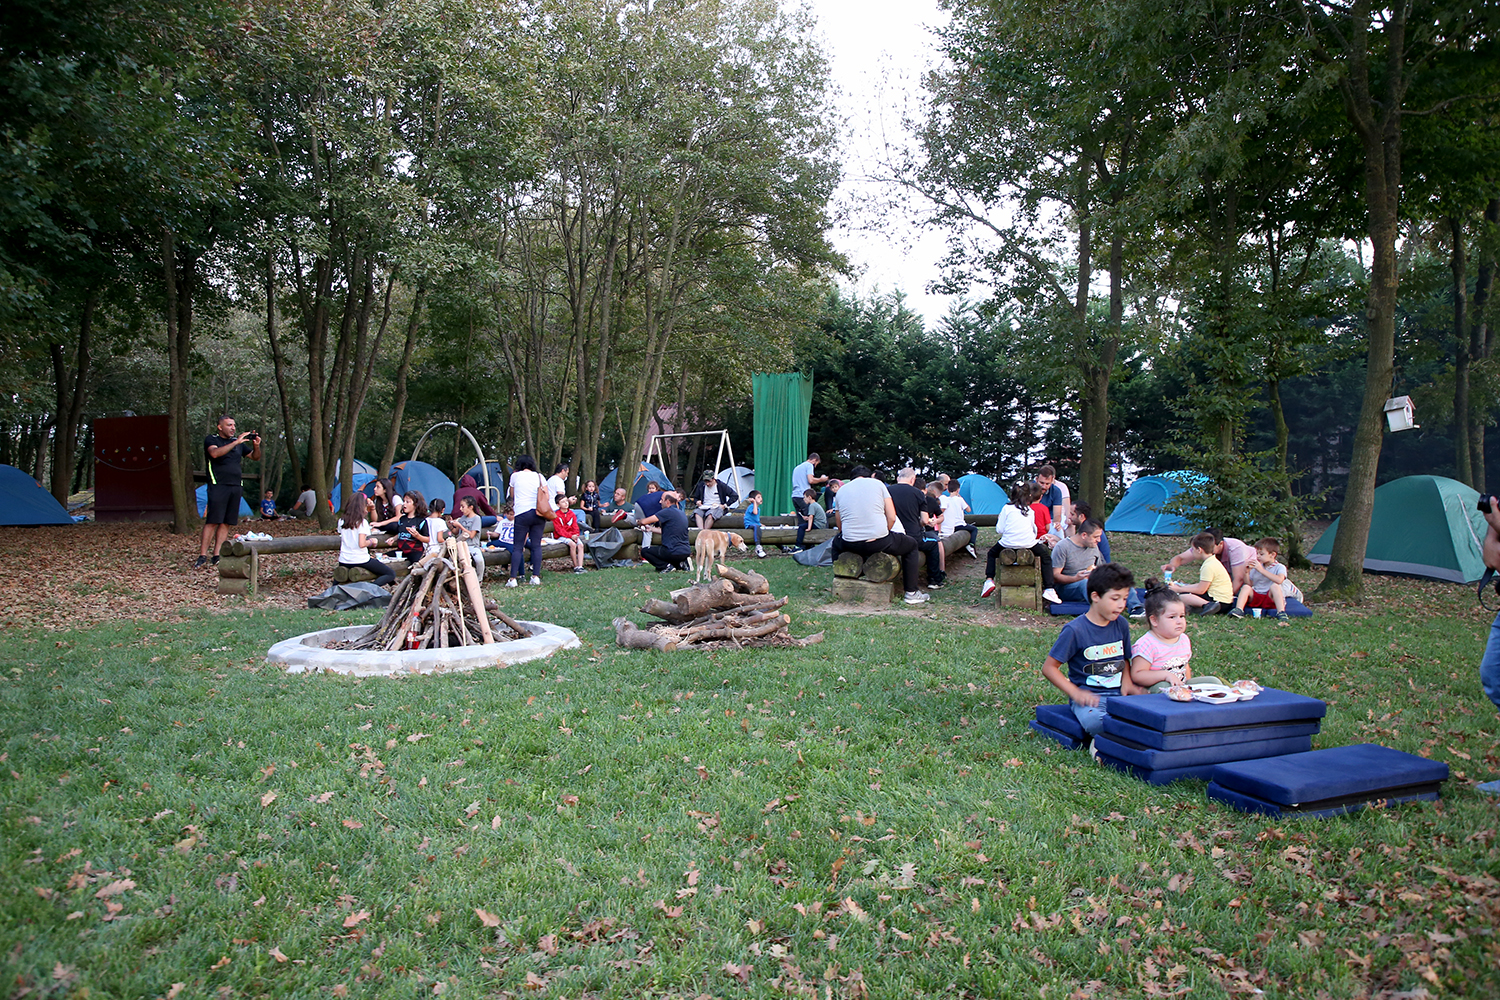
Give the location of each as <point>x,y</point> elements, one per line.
<point>224,452</point>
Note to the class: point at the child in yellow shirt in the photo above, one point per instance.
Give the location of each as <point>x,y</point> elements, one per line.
<point>1214,591</point>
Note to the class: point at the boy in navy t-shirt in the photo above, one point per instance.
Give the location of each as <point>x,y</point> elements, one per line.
<point>1095,648</point>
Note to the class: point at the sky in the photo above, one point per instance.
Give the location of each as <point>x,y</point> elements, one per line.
<point>878,50</point>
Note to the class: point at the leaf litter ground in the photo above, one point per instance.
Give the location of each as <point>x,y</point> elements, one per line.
<point>868,817</point>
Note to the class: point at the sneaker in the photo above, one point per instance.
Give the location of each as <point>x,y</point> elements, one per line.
<point>970,550</point>
<point>511,582</point>
<point>916,597</point>
<point>1137,614</point>
<point>1236,612</point>
<point>214,561</point>
<point>1050,596</point>
<point>1211,608</point>
<point>987,589</point>
<point>1282,616</point>
<point>536,581</point>
<point>935,584</point>
<point>760,553</point>
<point>579,569</point>
<point>1094,752</point>
<point>202,562</point>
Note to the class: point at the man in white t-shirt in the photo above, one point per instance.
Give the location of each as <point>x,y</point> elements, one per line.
<point>866,516</point>
<point>557,485</point>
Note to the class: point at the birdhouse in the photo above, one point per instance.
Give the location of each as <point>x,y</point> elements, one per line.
<point>1400,414</point>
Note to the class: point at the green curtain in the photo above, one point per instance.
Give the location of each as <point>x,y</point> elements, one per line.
<point>783,404</point>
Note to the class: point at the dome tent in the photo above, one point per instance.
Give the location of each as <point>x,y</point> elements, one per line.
<point>983,495</point>
<point>746,480</point>
<point>425,479</point>
<point>24,503</point>
<point>648,474</point>
<point>362,481</point>
<point>1140,509</point>
<point>201,497</point>
<point>1421,526</point>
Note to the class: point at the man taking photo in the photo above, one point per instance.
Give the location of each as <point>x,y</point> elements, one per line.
<point>225,451</point>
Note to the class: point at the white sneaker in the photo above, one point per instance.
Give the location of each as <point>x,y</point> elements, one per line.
<point>970,550</point>
<point>916,597</point>
<point>511,582</point>
<point>987,589</point>
<point>1050,596</point>
<point>760,553</point>
<point>536,581</point>
<point>1094,752</point>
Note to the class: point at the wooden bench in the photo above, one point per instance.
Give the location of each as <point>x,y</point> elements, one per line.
<point>1018,580</point>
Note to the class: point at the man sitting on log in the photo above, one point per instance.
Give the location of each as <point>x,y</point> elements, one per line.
<point>714,499</point>
<point>910,504</point>
<point>867,516</point>
<point>616,513</point>
<point>675,549</point>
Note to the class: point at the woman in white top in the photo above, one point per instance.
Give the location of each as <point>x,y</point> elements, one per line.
<point>1017,530</point>
<point>525,484</point>
<point>356,538</point>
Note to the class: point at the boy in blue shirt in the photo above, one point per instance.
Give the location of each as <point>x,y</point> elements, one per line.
<point>1095,648</point>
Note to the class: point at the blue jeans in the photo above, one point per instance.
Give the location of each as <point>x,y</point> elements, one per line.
<point>1489,664</point>
<point>1078,590</point>
<point>1092,719</point>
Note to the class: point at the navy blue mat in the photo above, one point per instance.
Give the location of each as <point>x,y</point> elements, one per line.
<point>1166,776</point>
<point>1328,779</point>
<point>1058,722</point>
<point>1156,760</point>
<point>1157,711</point>
<point>1215,736</point>
<point>1249,803</point>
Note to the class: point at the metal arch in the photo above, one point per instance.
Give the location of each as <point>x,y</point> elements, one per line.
<point>484,466</point>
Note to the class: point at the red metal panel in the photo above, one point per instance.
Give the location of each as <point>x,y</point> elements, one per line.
<point>131,481</point>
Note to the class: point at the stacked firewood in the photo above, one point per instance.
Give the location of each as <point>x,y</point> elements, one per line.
<point>439,605</point>
<point>738,607</point>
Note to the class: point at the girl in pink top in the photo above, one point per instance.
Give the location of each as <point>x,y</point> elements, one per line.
<point>1162,657</point>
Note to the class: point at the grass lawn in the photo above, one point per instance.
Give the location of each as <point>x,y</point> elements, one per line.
<point>867,817</point>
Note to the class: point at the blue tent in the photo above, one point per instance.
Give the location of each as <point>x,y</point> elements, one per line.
<point>1140,509</point>
<point>649,474</point>
<point>202,495</point>
<point>425,479</point>
<point>983,494</point>
<point>362,481</point>
<point>23,502</point>
<point>359,467</point>
<point>497,479</point>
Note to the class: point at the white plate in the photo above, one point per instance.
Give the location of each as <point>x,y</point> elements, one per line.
<point>1215,694</point>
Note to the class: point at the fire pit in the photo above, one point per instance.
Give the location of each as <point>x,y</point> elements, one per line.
<point>311,653</point>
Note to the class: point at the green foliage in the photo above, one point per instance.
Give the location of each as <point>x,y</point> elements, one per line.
<point>1241,495</point>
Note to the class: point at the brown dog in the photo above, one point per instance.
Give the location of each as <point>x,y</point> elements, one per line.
<point>712,546</point>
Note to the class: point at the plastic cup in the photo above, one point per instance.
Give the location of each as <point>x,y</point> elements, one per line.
<point>1255,612</point>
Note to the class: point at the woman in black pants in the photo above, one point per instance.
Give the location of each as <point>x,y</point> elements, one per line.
<point>1017,530</point>
<point>525,484</point>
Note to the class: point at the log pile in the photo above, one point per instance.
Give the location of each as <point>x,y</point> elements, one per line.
<point>438,605</point>
<point>738,608</point>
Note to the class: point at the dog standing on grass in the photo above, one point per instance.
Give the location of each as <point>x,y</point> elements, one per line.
<point>711,547</point>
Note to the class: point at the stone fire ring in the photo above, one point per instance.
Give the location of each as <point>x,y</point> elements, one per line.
<point>306,654</point>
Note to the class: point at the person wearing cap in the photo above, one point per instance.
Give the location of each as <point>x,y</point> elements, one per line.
<point>713,499</point>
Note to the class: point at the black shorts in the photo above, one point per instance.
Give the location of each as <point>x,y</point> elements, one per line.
<point>223,506</point>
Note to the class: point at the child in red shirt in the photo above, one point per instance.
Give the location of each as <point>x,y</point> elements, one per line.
<point>1042,515</point>
<point>565,528</point>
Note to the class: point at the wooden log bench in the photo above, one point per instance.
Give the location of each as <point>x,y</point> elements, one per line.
<point>874,579</point>
<point>1018,580</point>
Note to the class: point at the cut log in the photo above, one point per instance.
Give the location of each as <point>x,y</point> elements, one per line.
<point>707,597</point>
<point>234,567</point>
<point>520,630</point>
<point>1017,557</point>
<point>630,637</point>
<point>882,567</point>
<point>476,598</point>
<point>229,585</point>
<point>745,582</point>
<point>662,609</point>
<point>726,631</point>
<point>1021,598</point>
<point>954,543</point>
<point>849,565</point>
<point>864,591</point>
<point>811,640</point>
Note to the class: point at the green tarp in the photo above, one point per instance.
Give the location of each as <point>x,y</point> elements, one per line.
<point>1422,526</point>
<point>783,404</point>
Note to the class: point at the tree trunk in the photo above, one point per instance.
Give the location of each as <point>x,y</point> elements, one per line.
<point>398,405</point>
<point>1482,334</point>
<point>278,366</point>
<point>179,312</point>
<point>72,389</point>
<point>1458,262</point>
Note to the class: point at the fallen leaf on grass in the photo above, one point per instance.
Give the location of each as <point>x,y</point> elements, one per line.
<point>414,737</point>
<point>740,972</point>
<point>495,823</point>
<point>354,824</point>
<point>1014,762</point>
<point>322,799</point>
<point>115,888</point>
<point>276,954</point>
<point>535,982</point>
<point>175,990</point>
<point>672,912</point>
<point>355,919</point>
<point>267,799</point>
<point>223,961</point>
<point>487,918</point>
<point>547,943</point>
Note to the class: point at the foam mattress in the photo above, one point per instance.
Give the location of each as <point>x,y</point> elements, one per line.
<point>1327,782</point>
<point>1270,707</point>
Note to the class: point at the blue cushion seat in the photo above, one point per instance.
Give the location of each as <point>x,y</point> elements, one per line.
<point>1271,706</point>
<point>1327,782</point>
<point>1153,759</point>
<point>1212,736</point>
<point>1165,776</point>
<point>1058,722</point>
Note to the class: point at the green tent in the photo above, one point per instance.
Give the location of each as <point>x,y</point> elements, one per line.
<point>783,405</point>
<point>1422,526</point>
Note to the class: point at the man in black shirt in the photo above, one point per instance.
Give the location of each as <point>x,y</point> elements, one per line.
<point>224,451</point>
<point>911,504</point>
<point>675,549</point>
